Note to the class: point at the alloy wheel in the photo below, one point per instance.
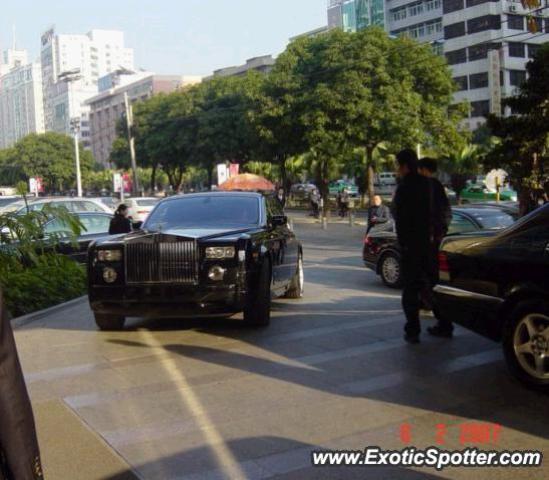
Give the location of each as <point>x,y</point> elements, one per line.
<point>391,269</point>
<point>531,345</point>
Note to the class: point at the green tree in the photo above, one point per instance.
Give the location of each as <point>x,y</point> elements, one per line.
<point>50,156</point>
<point>461,166</point>
<point>523,147</point>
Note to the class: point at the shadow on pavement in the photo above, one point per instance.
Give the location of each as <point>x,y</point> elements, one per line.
<point>292,460</point>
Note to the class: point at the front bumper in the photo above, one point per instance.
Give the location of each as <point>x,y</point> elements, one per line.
<point>167,300</point>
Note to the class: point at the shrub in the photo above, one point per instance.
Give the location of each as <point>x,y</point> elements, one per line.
<point>53,279</point>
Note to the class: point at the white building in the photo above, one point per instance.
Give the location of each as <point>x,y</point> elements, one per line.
<point>21,103</point>
<point>92,55</point>
<point>481,39</point>
<point>108,107</point>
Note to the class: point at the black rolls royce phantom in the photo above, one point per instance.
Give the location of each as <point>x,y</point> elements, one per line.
<point>197,255</point>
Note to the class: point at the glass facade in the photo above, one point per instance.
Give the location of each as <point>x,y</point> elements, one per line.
<point>354,15</point>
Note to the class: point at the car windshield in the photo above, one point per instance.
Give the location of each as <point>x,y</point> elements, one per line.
<point>204,212</point>
<point>494,220</point>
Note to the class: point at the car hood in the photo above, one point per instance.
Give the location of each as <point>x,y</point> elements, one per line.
<point>183,233</point>
<point>464,241</point>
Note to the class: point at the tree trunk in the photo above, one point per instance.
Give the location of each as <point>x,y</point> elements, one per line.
<point>370,188</point>
<point>283,173</point>
<point>210,176</point>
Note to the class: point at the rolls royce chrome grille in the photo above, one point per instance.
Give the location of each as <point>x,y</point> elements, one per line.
<point>162,262</point>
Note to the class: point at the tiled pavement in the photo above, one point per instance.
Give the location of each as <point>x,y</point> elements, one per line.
<point>207,399</point>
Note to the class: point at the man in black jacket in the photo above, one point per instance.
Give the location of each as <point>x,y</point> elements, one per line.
<point>413,227</point>
<point>120,223</point>
<point>377,214</point>
<point>441,216</point>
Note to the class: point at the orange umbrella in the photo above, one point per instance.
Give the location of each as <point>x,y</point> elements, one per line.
<point>247,182</point>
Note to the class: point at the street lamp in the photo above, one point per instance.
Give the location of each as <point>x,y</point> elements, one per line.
<point>129,125</point>
<point>69,77</point>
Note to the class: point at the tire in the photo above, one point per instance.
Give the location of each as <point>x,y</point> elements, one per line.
<point>390,270</point>
<point>109,323</point>
<point>297,286</point>
<point>257,310</point>
<point>526,343</point>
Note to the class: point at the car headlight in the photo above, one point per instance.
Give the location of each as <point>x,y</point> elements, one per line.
<point>219,253</point>
<point>109,255</point>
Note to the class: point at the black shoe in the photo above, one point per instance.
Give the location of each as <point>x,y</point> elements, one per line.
<point>439,332</point>
<point>411,339</point>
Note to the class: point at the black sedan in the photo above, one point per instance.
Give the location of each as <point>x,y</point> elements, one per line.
<point>498,286</point>
<point>196,255</point>
<point>381,252</point>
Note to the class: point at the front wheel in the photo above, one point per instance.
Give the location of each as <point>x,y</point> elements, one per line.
<point>297,286</point>
<point>526,343</point>
<point>390,270</point>
<point>109,323</point>
<point>257,310</point>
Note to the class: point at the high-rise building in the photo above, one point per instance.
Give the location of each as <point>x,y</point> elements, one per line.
<point>486,42</point>
<point>89,56</point>
<point>11,58</point>
<point>21,105</point>
<point>108,107</point>
<point>354,15</point>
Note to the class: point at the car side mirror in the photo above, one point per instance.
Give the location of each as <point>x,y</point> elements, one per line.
<point>137,225</point>
<point>279,220</point>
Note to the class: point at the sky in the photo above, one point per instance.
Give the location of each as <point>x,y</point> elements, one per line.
<point>185,37</point>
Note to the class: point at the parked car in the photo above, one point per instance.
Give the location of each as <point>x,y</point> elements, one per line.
<point>96,226</point>
<point>479,192</point>
<point>498,286</point>
<point>512,208</point>
<point>140,208</point>
<point>340,185</point>
<point>209,253</point>
<point>72,204</point>
<point>111,202</point>
<point>381,252</point>
<point>7,200</point>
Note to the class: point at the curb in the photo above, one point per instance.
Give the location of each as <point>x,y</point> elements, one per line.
<point>32,317</point>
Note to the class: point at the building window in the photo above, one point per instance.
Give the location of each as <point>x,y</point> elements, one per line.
<point>480,109</point>
<point>433,27</point>
<point>515,22</point>
<point>455,30</point>
<point>480,24</point>
<point>478,52</point>
<point>517,50</point>
<point>462,83</point>
<point>478,80</point>
<point>398,14</point>
<point>472,3</point>
<point>532,50</point>
<point>415,9</point>
<point>457,56</point>
<point>449,6</point>
<point>431,5</point>
<point>517,77</point>
<point>547,25</point>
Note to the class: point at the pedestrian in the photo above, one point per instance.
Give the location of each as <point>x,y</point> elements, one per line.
<point>120,223</point>
<point>19,452</point>
<point>378,214</point>
<point>344,202</point>
<point>281,196</point>
<point>338,202</point>
<point>441,216</point>
<point>413,227</point>
<point>315,203</point>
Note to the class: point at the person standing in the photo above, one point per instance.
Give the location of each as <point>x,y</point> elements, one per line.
<point>120,223</point>
<point>19,451</point>
<point>413,227</point>
<point>281,195</point>
<point>378,214</point>
<point>441,216</point>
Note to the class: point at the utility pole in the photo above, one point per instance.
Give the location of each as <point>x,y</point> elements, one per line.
<point>70,77</point>
<point>75,127</point>
<point>131,142</point>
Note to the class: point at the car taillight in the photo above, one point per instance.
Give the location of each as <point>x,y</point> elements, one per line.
<point>143,212</point>
<point>443,264</point>
<point>368,240</point>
